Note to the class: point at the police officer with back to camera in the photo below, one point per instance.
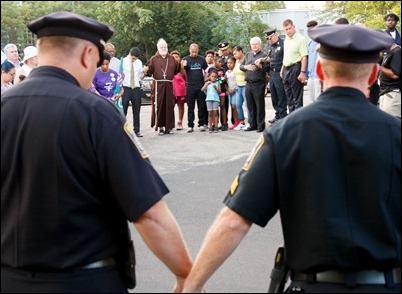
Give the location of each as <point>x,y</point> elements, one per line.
<point>73,173</point>
<point>275,58</point>
<point>342,230</point>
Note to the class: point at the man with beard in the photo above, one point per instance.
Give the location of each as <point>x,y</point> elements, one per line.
<point>163,67</point>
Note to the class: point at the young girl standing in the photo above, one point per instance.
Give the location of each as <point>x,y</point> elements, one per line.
<point>231,90</point>
<point>212,89</point>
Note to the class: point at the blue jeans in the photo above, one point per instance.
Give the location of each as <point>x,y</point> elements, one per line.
<point>240,98</point>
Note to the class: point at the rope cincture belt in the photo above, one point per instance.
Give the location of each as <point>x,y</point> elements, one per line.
<point>340,277</point>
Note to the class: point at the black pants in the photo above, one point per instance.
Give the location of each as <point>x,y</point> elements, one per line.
<point>194,93</point>
<point>307,287</point>
<point>255,96</point>
<point>278,95</point>
<point>293,87</point>
<point>100,280</point>
<point>133,96</point>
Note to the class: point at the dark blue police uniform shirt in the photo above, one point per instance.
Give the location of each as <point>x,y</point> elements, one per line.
<point>333,169</point>
<point>71,168</point>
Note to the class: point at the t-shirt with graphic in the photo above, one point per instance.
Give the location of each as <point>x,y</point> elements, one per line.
<point>106,82</point>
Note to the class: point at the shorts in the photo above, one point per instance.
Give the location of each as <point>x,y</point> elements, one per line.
<point>180,100</point>
<point>212,105</point>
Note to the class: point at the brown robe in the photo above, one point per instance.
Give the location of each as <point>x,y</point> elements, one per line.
<point>163,71</point>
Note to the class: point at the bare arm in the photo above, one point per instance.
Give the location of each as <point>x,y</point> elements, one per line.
<point>386,71</point>
<point>302,76</point>
<point>205,86</point>
<point>161,233</point>
<point>222,239</point>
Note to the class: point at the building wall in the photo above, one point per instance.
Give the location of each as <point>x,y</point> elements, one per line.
<point>300,17</point>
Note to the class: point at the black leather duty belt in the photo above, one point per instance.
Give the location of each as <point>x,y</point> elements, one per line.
<point>289,66</point>
<point>340,277</point>
<point>100,263</point>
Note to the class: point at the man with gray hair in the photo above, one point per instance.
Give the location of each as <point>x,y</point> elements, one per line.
<point>12,55</point>
<point>255,87</point>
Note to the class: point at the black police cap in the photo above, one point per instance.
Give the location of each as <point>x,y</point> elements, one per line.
<point>268,32</point>
<point>350,43</point>
<point>223,45</point>
<point>69,24</point>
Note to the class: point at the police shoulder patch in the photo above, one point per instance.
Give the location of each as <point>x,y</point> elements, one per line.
<point>128,128</point>
<point>234,185</point>
<point>254,152</point>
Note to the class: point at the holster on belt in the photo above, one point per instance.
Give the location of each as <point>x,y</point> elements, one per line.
<point>280,272</point>
<point>125,258</point>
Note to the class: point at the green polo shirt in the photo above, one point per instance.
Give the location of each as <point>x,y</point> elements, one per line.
<point>294,49</point>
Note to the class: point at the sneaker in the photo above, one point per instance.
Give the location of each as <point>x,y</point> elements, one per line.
<point>240,127</point>
<point>216,130</point>
<point>235,125</point>
<point>190,130</point>
<point>179,127</point>
<point>203,128</point>
<point>211,130</point>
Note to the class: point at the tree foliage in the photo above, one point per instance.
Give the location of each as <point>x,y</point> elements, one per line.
<point>142,23</point>
<point>369,13</point>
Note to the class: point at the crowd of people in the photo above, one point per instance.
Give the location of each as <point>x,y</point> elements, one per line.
<point>288,65</point>
<point>74,172</point>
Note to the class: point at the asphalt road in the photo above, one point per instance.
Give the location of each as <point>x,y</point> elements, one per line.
<point>198,168</point>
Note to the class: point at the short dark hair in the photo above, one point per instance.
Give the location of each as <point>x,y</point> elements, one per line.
<point>135,51</point>
<point>393,16</point>
<point>341,20</point>
<point>210,52</point>
<point>106,56</point>
<point>311,23</point>
<point>6,66</point>
<point>238,48</point>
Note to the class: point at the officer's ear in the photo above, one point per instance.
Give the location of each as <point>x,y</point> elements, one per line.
<point>318,70</point>
<point>374,74</point>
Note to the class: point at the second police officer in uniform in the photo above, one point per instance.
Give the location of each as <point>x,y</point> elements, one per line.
<point>275,59</point>
<point>342,229</point>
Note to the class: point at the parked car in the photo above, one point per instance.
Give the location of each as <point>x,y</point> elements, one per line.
<point>146,84</point>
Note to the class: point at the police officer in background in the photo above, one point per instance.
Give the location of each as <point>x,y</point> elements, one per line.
<point>275,58</point>
<point>73,173</point>
<point>342,230</point>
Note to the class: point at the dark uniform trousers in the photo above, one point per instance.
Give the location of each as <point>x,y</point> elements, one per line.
<point>278,95</point>
<point>293,87</point>
<point>133,96</point>
<point>255,97</point>
<point>194,93</point>
<point>99,280</point>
